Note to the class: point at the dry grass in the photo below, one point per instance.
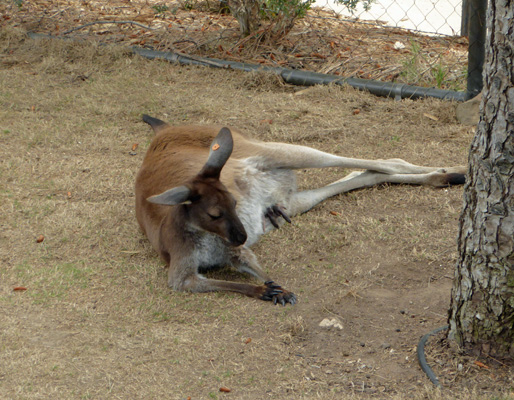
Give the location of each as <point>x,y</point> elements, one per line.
<point>97,320</point>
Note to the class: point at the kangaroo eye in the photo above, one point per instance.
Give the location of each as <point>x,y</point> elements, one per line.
<point>214,214</point>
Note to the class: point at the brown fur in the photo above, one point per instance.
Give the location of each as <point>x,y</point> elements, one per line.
<point>193,176</point>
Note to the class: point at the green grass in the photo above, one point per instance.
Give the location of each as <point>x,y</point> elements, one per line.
<point>423,69</point>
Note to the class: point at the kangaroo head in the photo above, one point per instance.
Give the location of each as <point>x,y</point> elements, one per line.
<point>208,205</point>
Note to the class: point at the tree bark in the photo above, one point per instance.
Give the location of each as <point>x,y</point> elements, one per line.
<point>247,14</point>
<point>481,316</point>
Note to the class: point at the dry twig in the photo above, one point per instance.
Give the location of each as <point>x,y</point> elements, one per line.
<point>106,22</point>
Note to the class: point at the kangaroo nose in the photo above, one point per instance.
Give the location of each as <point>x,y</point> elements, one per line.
<point>241,238</point>
<point>238,236</point>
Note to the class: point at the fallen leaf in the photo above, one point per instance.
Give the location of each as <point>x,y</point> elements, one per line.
<point>430,116</point>
<point>40,238</point>
<point>266,121</point>
<point>334,213</point>
<point>19,288</point>
<point>134,146</point>
<point>355,112</point>
<point>69,195</point>
<point>148,17</point>
<point>224,389</point>
<point>248,340</point>
<point>481,364</point>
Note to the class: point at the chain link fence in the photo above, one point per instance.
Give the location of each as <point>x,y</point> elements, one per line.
<point>451,18</point>
<point>424,16</point>
<point>407,42</point>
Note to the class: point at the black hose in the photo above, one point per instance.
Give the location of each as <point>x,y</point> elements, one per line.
<point>299,77</point>
<point>308,78</point>
<point>421,355</point>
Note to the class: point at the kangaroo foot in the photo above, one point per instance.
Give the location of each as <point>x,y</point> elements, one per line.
<point>276,294</point>
<point>274,212</point>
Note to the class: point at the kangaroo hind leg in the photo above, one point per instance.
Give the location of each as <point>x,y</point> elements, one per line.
<point>303,201</point>
<point>271,155</point>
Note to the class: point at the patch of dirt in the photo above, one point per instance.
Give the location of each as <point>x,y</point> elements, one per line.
<point>97,320</point>
<point>452,367</point>
<point>321,42</point>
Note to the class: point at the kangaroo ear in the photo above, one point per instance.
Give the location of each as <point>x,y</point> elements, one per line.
<point>171,197</point>
<point>155,123</point>
<point>221,149</point>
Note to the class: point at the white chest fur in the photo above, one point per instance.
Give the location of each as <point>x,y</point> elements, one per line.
<point>261,189</point>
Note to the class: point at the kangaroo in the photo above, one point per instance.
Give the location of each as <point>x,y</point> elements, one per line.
<point>205,195</point>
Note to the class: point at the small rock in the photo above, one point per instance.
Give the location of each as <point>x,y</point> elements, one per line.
<point>385,345</point>
<point>331,323</point>
<point>468,112</point>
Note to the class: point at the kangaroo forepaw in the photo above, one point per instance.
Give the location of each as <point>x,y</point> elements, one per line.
<point>277,295</point>
<point>274,212</point>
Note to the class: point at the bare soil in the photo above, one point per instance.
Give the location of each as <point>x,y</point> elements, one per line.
<point>86,313</point>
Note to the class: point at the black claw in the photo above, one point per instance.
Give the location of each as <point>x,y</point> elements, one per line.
<point>280,211</point>
<point>276,211</point>
<point>271,285</point>
<point>276,294</point>
<point>272,219</point>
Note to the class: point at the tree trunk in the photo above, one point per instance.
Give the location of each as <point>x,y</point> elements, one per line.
<point>247,14</point>
<point>481,317</point>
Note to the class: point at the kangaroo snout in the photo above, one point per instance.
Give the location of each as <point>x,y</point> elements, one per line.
<point>237,235</point>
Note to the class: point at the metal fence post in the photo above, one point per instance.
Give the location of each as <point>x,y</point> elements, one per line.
<point>464,22</point>
<point>476,52</point>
